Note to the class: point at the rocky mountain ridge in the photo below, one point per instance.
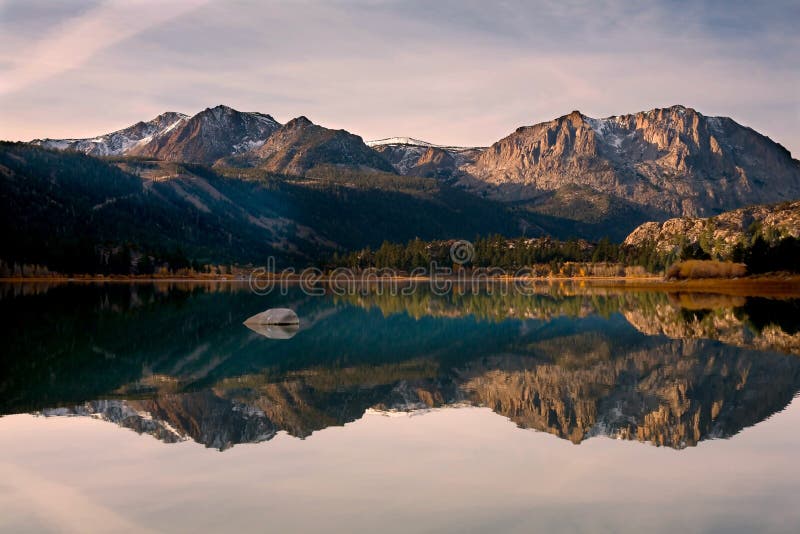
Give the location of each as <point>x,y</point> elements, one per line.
<point>666,162</point>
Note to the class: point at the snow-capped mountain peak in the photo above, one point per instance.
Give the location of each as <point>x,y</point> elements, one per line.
<point>176,136</point>
<point>121,141</point>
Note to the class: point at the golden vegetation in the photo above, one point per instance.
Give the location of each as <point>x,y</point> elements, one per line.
<point>694,269</point>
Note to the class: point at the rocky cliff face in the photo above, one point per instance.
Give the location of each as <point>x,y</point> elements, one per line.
<point>208,136</point>
<point>723,231</point>
<point>119,142</point>
<point>672,161</point>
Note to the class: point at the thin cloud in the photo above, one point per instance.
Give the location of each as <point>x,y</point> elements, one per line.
<point>77,40</point>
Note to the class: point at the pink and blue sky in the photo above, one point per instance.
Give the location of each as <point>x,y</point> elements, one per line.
<point>451,72</point>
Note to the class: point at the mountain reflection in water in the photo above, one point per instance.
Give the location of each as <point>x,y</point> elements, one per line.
<point>175,361</point>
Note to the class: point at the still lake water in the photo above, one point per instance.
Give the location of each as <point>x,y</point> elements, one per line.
<point>153,408</point>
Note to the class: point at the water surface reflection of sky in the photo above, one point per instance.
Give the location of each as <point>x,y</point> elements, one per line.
<point>448,470</point>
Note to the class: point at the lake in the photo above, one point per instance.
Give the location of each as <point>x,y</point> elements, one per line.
<point>152,407</point>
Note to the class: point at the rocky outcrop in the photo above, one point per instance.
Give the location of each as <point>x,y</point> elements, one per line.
<point>722,232</point>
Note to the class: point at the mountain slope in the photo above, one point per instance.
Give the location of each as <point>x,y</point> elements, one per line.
<point>593,213</point>
<point>70,211</point>
<point>673,161</point>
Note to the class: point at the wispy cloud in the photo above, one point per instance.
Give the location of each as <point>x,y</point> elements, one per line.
<point>77,39</point>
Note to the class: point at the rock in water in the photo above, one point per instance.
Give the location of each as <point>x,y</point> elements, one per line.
<point>275,323</point>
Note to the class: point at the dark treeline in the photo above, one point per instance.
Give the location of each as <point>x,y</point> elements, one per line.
<point>759,254</point>
<point>762,256</point>
<point>492,251</point>
<point>761,251</point>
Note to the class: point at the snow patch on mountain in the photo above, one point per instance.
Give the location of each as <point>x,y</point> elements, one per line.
<point>174,125</point>
<point>410,141</point>
<point>399,141</point>
<point>606,130</point>
<point>247,145</point>
<point>118,142</point>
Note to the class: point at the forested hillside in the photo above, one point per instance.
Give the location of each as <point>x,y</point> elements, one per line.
<point>79,214</point>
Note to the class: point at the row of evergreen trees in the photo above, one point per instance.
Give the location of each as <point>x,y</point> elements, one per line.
<point>759,252</point>
<point>762,251</point>
<point>83,257</point>
<point>763,256</point>
<point>497,251</point>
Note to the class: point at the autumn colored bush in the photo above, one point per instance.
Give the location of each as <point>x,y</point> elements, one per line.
<point>694,269</point>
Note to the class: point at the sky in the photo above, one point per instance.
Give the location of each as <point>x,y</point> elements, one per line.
<point>465,72</point>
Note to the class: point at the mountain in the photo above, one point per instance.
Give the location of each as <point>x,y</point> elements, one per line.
<point>212,134</point>
<point>667,162</point>
<point>301,145</point>
<point>574,176</point>
<point>119,142</point>
<point>413,157</point>
<point>209,135</point>
<point>230,137</point>
<point>722,232</point>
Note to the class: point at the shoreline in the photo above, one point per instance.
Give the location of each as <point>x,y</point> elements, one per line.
<point>760,285</point>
